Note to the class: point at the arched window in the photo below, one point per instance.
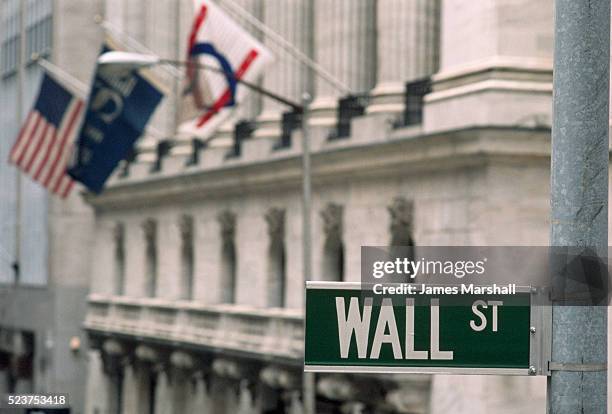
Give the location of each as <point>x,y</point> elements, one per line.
<point>150,234</point>
<point>333,248</point>
<point>119,235</point>
<point>276,258</point>
<point>186,228</point>
<point>227,223</point>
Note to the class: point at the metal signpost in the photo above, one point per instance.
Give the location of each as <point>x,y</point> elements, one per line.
<point>348,329</point>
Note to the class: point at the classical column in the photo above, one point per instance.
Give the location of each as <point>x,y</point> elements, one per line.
<point>246,398</point>
<point>291,19</point>
<point>182,367</point>
<point>492,74</point>
<point>227,393</point>
<point>5,360</point>
<point>163,393</point>
<point>410,395</point>
<point>407,49</point>
<point>113,354</point>
<point>201,399</point>
<point>345,45</point>
<point>284,383</point>
<point>148,358</point>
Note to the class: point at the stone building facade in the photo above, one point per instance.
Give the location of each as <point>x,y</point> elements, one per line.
<point>197,293</point>
<point>44,240</point>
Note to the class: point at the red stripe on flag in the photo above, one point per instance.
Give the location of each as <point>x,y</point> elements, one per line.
<point>191,66</point>
<point>224,99</point>
<point>39,144</point>
<point>37,138</point>
<point>19,141</point>
<point>197,23</point>
<point>28,140</point>
<point>53,149</point>
<point>47,155</point>
<point>64,138</point>
<point>68,188</point>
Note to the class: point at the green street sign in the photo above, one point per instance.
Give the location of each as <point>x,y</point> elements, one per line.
<point>348,329</point>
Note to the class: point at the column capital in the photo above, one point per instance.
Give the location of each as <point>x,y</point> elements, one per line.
<point>279,377</point>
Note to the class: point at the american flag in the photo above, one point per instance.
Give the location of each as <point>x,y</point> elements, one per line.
<point>44,144</point>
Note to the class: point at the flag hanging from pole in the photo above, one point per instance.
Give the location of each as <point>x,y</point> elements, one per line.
<point>218,41</point>
<point>45,141</point>
<point>120,104</point>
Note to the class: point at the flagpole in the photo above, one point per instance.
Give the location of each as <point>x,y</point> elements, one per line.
<point>19,116</point>
<point>254,87</point>
<point>309,397</point>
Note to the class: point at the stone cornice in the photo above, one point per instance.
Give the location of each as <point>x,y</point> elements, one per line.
<point>397,154</point>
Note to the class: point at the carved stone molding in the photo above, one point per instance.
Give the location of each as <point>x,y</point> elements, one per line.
<point>277,377</point>
<point>114,357</point>
<point>118,233</point>
<point>234,369</point>
<point>275,217</point>
<point>332,221</point>
<point>336,387</point>
<point>226,368</point>
<point>186,228</point>
<point>227,222</point>
<point>408,400</point>
<point>146,353</point>
<point>149,227</point>
<point>401,212</point>
<point>182,360</point>
<point>113,347</point>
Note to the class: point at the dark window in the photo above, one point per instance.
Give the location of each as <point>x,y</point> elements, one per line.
<point>333,248</point>
<point>242,132</point>
<point>186,227</point>
<point>150,233</point>
<point>162,150</point>
<point>348,108</point>
<point>227,222</point>
<point>196,146</point>
<point>119,259</point>
<point>276,257</point>
<point>291,121</point>
<point>415,93</point>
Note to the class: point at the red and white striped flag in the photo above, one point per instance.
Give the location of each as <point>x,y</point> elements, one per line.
<point>43,147</point>
<point>217,41</point>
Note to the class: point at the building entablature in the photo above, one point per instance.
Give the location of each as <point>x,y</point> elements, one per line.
<point>401,152</point>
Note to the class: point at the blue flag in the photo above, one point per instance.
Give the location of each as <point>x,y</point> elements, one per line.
<point>120,105</point>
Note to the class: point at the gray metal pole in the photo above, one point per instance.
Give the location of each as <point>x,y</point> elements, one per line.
<point>579,195</point>
<point>19,114</point>
<point>309,392</point>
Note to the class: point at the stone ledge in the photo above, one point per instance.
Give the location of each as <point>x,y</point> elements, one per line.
<point>258,332</point>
